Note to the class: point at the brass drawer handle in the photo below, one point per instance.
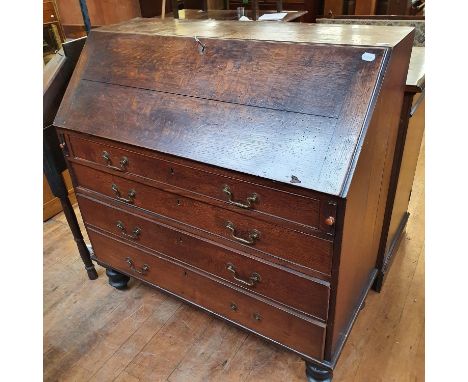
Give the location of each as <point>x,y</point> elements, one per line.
<point>253,279</point>
<point>131,194</point>
<point>123,162</point>
<point>145,268</point>
<point>135,233</point>
<point>251,199</point>
<point>254,235</point>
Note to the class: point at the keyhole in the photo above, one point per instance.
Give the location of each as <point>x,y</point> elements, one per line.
<point>178,202</point>
<point>172,171</point>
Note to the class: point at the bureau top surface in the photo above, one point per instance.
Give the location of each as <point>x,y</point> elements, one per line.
<point>284,108</point>
<point>362,35</point>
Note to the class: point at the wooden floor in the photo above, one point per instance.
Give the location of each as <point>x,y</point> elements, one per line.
<point>92,332</point>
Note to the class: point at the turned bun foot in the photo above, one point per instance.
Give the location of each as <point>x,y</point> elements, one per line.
<point>317,374</point>
<point>117,279</point>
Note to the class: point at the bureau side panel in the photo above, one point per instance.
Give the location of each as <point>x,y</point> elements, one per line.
<point>354,267</point>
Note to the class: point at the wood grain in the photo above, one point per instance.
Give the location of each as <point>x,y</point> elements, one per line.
<point>306,294</point>
<point>275,240</point>
<point>391,324</point>
<point>362,35</point>
<point>300,333</point>
<point>309,210</point>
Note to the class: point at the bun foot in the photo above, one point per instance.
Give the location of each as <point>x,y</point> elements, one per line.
<point>318,374</point>
<point>117,279</point>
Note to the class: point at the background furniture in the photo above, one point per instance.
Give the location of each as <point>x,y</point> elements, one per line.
<point>409,140</point>
<point>410,135</point>
<point>314,8</point>
<point>373,7</point>
<point>53,35</point>
<point>209,188</point>
<point>417,23</point>
<point>194,14</point>
<point>100,13</point>
<point>56,76</point>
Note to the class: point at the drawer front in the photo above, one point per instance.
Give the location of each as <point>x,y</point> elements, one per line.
<point>296,291</point>
<point>300,334</point>
<point>241,194</point>
<point>252,234</point>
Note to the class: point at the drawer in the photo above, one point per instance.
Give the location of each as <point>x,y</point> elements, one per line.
<point>241,194</point>
<point>297,291</point>
<point>252,234</point>
<point>298,333</point>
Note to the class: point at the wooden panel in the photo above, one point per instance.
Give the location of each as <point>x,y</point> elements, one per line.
<point>315,80</point>
<point>101,12</point>
<point>291,289</point>
<point>276,240</point>
<point>366,202</point>
<point>365,7</point>
<point>314,155</point>
<point>81,335</point>
<point>206,131</point>
<point>298,208</point>
<point>334,6</point>
<point>359,35</point>
<point>302,335</point>
<point>409,160</point>
<point>49,14</point>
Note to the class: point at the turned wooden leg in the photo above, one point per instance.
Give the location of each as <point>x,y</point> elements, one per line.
<point>117,279</point>
<point>75,228</point>
<point>52,172</point>
<point>316,373</point>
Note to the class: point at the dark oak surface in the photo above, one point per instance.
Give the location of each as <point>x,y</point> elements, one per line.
<point>303,293</point>
<point>359,35</point>
<point>304,335</point>
<point>310,209</point>
<point>95,333</point>
<point>274,239</point>
<point>221,113</point>
<point>286,133</point>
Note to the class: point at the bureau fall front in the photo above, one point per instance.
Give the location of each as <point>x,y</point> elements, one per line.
<point>241,168</point>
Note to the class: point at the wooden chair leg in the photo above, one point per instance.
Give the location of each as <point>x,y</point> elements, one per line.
<point>80,243</point>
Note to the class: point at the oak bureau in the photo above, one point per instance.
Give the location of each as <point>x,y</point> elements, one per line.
<point>242,168</point>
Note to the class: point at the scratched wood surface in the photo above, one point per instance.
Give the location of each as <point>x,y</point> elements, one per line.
<point>126,90</point>
<point>93,332</point>
<point>363,35</point>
